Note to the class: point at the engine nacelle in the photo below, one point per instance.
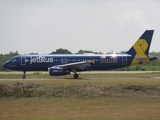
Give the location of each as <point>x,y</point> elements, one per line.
<point>57,71</point>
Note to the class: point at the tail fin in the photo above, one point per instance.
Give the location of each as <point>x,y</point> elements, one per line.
<point>142,45</point>
<point>141,48</point>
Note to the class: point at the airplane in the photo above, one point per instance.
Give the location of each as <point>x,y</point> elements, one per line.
<point>64,64</point>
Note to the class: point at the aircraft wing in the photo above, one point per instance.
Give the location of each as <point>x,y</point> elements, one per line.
<point>75,65</point>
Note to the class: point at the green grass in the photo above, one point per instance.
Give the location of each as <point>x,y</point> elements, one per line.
<point>83,76</point>
<point>111,108</point>
<point>122,101</point>
<point>105,81</point>
<point>141,88</point>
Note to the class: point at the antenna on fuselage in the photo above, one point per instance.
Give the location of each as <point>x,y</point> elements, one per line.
<point>112,52</point>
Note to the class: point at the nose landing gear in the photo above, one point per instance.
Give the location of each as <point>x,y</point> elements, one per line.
<point>24,75</point>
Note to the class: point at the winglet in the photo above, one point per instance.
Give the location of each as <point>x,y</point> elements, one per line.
<point>142,45</point>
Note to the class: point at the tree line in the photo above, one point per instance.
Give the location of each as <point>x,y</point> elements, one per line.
<point>66,51</point>
<point>152,66</point>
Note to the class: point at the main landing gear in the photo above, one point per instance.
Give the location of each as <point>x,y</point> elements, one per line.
<point>76,76</point>
<point>24,75</point>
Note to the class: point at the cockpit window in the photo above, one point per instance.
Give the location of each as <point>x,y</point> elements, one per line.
<point>13,60</point>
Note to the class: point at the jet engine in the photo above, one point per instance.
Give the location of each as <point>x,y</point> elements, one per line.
<point>57,71</point>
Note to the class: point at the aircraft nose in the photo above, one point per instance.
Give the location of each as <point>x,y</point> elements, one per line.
<point>4,65</point>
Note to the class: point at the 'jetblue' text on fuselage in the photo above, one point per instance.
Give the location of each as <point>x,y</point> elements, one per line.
<point>41,59</point>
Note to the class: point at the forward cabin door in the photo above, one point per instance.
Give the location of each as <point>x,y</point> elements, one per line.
<point>124,60</point>
<point>23,60</point>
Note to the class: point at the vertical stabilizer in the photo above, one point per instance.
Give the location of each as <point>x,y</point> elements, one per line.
<point>141,48</point>
<point>142,45</point>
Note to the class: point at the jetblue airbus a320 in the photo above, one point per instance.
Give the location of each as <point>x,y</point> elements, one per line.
<point>64,64</point>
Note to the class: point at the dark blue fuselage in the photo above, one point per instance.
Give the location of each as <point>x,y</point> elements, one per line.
<point>43,62</point>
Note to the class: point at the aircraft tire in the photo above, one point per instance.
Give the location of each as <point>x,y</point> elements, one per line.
<point>76,76</point>
<point>23,77</point>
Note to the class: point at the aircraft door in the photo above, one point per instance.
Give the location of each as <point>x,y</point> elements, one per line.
<point>23,60</point>
<point>124,60</point>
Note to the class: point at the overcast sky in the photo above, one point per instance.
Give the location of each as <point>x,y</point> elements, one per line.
<point>42,26</point>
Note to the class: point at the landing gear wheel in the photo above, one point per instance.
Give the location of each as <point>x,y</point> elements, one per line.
<point>23,77</point>
<point>75,76</point>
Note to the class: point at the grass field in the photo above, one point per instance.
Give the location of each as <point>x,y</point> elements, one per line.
<point>111,108</point>
<point>81,75</point>
<point>85,99</point>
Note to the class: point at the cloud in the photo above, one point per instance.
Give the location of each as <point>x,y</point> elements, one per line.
<point>44,26</point>
<point>132,18</point>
